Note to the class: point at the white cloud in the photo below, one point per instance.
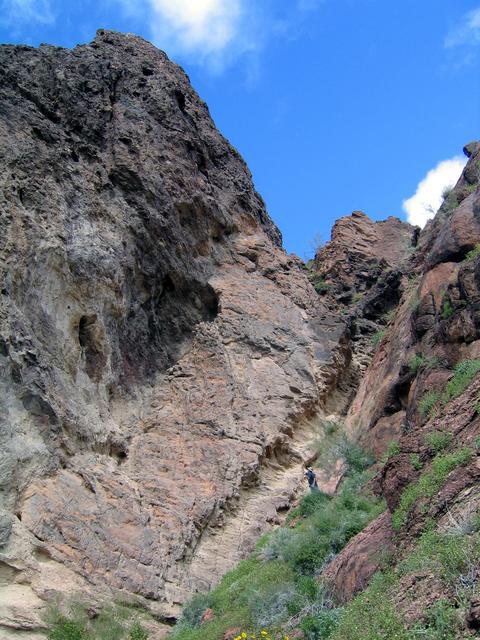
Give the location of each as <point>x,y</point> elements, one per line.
<point>13,12</point>
<point>214,33</point>
<point>428,197</point>
<point>467,32</point>
<point>211,32</point>
<point>208,25</point>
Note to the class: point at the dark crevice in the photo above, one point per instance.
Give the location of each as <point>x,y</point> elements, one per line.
<point>180,98</point>
<point>91,339</point>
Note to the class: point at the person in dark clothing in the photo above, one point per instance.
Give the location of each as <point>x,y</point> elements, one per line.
<point>312,480</point>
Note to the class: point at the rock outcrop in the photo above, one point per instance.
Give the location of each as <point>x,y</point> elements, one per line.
<point>163,361</point>
<point>359,276</point>
<point>158,349</point>
<point>422,384</point>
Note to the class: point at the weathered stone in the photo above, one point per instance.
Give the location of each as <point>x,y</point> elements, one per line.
<point>158,348</point>
<point>352,569</point>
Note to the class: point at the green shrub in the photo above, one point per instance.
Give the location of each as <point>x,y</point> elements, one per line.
<point>393,449</point>
<point>194,609</point>
<point>355,456</point>
<point>137,632</point>
<point>64,628</point>
<point>416,362</point>
<point>447,310</point>
<point>112,623</point>
<point>320,285</point>
<point>336,446</point>
<point>414,302</point>
<point>428,403</point>
<point>449,555</point>
<point>274,605</point>
<point>320,626</point>
<point>471,255</point>
<point>429,483</point>
<point>415,461</point>
<point>372,614</point>
<point>311,502</point>
<point>450,203</point>
<point>378,336</point>
<point>464,373</point>
<point>280,540</point>
<point>438,440</point>
<point>442,621</point>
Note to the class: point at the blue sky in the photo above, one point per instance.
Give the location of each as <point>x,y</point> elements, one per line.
<point>336,105</point>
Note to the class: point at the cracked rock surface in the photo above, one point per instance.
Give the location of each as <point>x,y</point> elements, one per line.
<point>158,348</point>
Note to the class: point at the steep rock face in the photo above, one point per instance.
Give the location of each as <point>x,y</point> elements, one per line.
<point>158,348</point>
<point>359,275</point>
<point>361,251</point>
<point>405,397</point>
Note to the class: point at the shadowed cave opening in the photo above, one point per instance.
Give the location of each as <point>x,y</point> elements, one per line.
<point>157,332</point>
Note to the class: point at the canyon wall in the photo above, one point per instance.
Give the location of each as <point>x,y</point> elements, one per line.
<point>158,349</point>
<point>163,361</point>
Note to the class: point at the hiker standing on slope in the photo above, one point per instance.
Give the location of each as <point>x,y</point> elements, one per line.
<point>312,480</point>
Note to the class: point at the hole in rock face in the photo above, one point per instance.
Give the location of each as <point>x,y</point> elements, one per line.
<point>91,338</point>
<point>180,98</point>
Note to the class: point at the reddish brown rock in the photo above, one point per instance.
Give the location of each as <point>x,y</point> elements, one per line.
<point>352,569</point>
<point>158,348</point>
<point>207,616</point>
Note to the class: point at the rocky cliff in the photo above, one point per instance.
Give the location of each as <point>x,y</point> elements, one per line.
<point>418,403</point>
<point>165,365</point>
<point>160,353</point>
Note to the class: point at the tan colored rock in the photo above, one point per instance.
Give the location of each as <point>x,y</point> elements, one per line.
<point>159,351</point>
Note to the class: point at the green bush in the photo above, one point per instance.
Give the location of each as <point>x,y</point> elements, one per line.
<point>311,502</point>
<point>464,373</point>
<point>112,623</point>
<point>355,456</point>
<point>471,255</point>
<point>64,628</point>
<point>442,621</point>
<point>280,540</point>
<point>137,632</point>
<point>420,361</point>
<point>447,310</point>
<point>320,285</point>
<point>378,336</point>
<point>372,614</point>
<point>194,609</point>
<point>448,555</point>
<point>429,483</point>
<point>428,403</point>
<point>320,626</point>
<point>438,440</point>
<point>393,449</point>
<point>415,461</point>
<point>335,445</point>
<point>416,362</point>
